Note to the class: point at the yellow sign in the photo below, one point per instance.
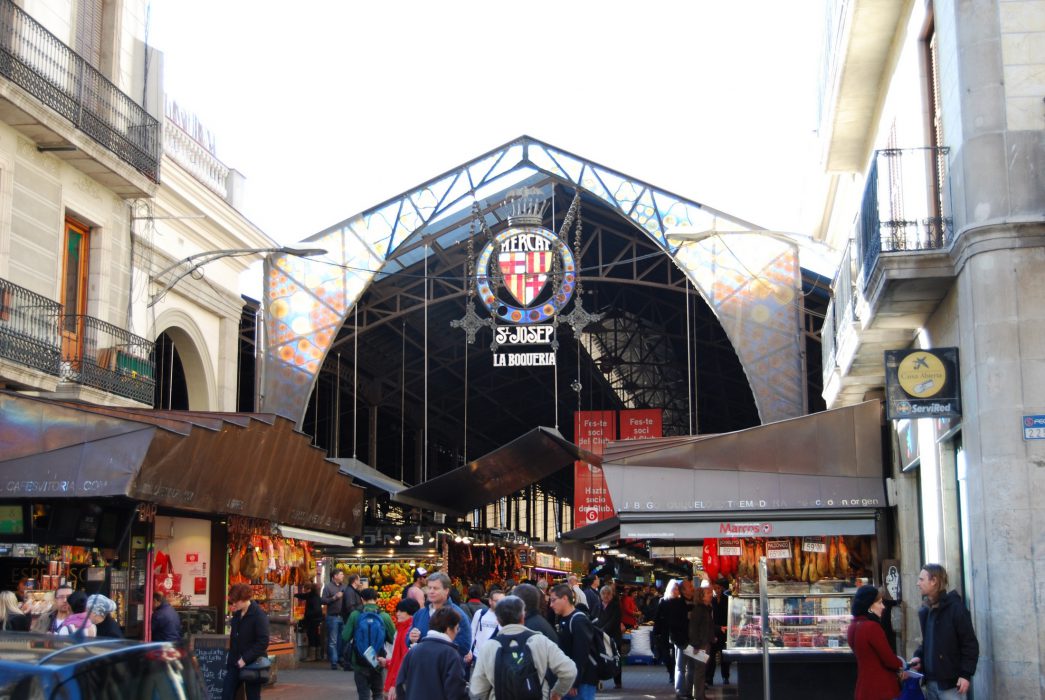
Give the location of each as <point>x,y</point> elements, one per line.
<point>921,374</point>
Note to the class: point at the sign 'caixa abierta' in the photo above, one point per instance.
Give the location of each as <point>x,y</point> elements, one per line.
<point>922,384</point>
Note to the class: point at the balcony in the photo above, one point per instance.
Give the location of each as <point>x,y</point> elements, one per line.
<point>197,160</point>
<point>28,336</point>
<point>100,355</point>
<point>114,139</point>
<point>902,245</point>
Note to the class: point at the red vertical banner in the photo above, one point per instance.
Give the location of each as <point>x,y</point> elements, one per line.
<point>591,499</point>
<point>641,423</point>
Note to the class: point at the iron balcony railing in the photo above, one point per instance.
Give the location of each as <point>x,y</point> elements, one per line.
<point>840,312</point>
<point>101,355</point>
<point>39,63</point>
<point>197,160</point>
<point>904,204</point>
<point>29,328</point>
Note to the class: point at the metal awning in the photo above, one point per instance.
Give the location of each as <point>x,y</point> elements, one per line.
<point>366,474</point>
<point>594,533</point>
<point>249,464</point>
<point>531,457</point>
<point>821,462</point>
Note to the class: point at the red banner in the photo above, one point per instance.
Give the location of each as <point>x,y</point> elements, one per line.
<point>591,499</point>
<point>641,423</point>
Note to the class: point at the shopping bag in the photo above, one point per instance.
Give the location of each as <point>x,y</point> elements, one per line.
<point>911,690</point>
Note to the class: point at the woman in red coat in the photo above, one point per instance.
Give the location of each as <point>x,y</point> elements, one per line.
<point>878,669</point>
<point>404,616</point>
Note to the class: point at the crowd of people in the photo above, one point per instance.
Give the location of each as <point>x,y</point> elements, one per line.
<point>64,612</point>
<point>446,642</point>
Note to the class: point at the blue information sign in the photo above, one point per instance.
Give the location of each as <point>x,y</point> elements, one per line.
<point>1034,427</point>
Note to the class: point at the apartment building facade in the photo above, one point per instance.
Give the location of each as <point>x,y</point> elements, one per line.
<point>104,187</point>
<point>933,132</point>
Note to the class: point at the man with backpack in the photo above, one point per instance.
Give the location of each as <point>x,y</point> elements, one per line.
<point>517,664</point>
<point>577,640</point>
<point>365,635</point>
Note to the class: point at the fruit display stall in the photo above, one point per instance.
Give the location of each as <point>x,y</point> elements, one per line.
<point>386,574</point>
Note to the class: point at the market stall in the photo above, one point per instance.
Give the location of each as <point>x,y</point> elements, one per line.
<point>807,494</point>
<point>274,566</point>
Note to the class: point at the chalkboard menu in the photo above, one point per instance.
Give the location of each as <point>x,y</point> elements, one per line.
<point>210,652</point>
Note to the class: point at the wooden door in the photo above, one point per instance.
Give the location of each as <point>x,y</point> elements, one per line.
<point>75,260</point>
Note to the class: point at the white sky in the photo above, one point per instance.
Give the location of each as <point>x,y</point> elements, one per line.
<point>329,108</point>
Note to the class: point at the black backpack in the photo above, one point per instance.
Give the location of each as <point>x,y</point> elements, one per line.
<point>515,674</point>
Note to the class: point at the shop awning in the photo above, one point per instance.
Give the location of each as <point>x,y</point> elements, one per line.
<point>366,474</point>
<point>594,533</point>
<point>819,474</point>
<point>535,455</point>
<point>249,464</point>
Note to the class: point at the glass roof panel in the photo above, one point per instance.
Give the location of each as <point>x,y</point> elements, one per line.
<point>511,159</point>
<point>612,182</point>
<point>571,165</point>
<point>381,223</point>
<point>409,221</point>
<point>591,182</point>
<point>543,161</point>
<point>645,215</point>
<point>427,199</point>
<point>496,189</point>
<point>481,170</point>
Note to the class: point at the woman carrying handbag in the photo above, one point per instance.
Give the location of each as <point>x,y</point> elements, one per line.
<point>247,662</point>
<point>878,669</point>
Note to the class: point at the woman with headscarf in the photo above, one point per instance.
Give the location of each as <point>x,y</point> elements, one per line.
<point>405,610</point>
<point>878,669</point>
<point>77,620</point>
<point>11,616</point>
<point>99,611</point>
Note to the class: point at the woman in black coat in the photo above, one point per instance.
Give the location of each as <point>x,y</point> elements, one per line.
<point>671,629</point>
<point>248,642</point>
<point>312,620</point>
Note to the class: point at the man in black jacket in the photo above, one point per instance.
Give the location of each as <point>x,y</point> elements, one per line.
<point>949,649</point>
<point>531,596</point>
<point>575,639</point>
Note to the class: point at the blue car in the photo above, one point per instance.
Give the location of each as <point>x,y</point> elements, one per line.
<point>46,667</point>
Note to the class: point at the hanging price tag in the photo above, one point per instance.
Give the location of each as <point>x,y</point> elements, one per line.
<point>814,544</point>
<point>730,548</point>
<point>778,549</point>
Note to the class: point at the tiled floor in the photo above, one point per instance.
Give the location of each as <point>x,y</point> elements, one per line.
<point>646,682</point>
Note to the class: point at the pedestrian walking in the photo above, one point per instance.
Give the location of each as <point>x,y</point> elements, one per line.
<point>433,668</point>
<point>439,597</point>
<point>248,642</point>
<point>575,639</point>
<point>405,610</point>
<point>334,598</point>
<point>518,647</point>
<point>364,637</point>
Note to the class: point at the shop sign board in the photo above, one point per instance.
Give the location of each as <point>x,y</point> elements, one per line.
<point>778,549</point>
<point>641,423</point>
<point>1034,427</point>
<point>591,497</point>
<point>675,552</point>
<point>730,547</point>
<point>922,383</point>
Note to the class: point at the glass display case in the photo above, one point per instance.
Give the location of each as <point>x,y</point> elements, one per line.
<point>278,603</point>
<point>797,622</point>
